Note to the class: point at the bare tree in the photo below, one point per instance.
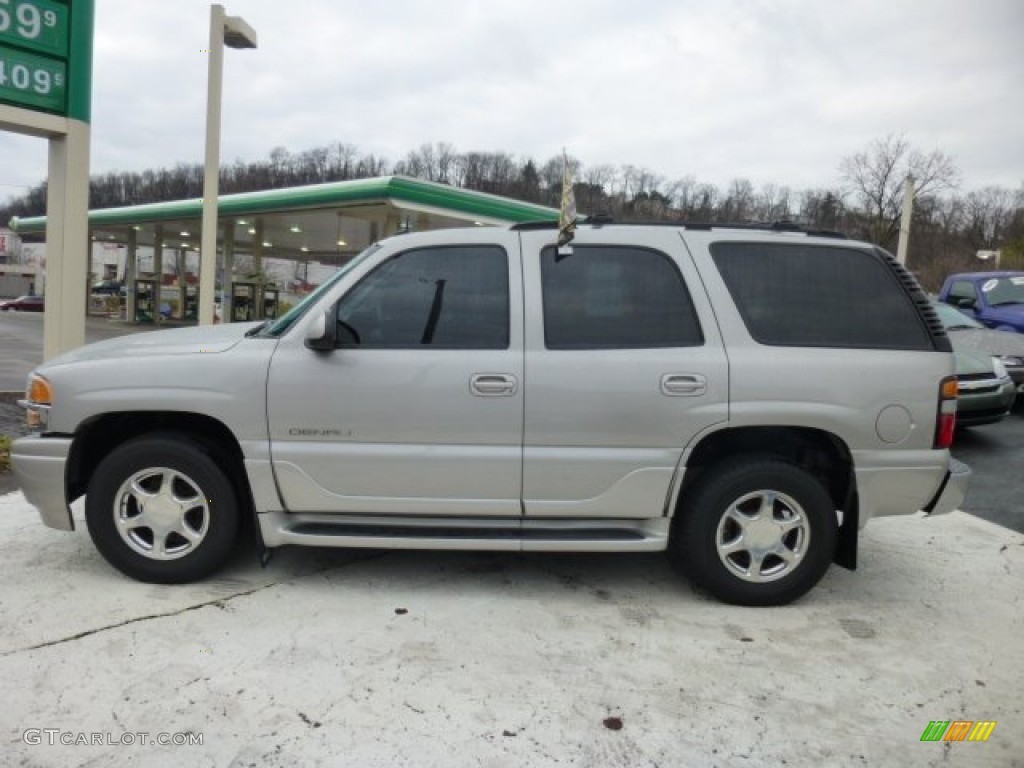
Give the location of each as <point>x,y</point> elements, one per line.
<point>876,175</point>
<point>706,199</point>
<point>738,205</point>
<point>680,194</point>
<point>822,209</point>
<point>772,203</point>
<point>989,213</point>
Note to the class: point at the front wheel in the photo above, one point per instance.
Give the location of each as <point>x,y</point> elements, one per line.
<point>760,532</point>
<point>159,509</point>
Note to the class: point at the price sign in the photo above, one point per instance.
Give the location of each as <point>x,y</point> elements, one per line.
<point>39,25</point>
<point>36,54</point>
<point>32,81</point>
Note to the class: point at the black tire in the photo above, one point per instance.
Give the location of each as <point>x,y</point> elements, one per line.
<point>179,487</point>
<point>724,526</point>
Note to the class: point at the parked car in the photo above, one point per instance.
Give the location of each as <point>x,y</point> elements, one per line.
<point>725,395</point>
<point>995,299</point>
<point>23,304</point>
<point>985,391</point>
<point>107,288</point>
<point>970,336</point>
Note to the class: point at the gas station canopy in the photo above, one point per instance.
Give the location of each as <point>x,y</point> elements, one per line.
<point>321,222</point>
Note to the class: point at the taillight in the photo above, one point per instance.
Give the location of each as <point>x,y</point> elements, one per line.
<point>945,422</point>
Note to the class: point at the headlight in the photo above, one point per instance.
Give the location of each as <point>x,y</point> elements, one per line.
<point>1012,360</point>
<point>999,368</point>
<point>37,402</point>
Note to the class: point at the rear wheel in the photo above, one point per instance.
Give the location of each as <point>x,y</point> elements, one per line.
<point>759,532</point>
<point>159,509</point>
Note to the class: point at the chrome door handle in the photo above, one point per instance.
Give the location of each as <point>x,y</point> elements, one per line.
<point>683,384</point>
<point>493,384</point>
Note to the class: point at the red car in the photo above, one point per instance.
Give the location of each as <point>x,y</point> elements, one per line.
<point>23,304</point>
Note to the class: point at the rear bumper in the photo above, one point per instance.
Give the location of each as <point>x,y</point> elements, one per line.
<point>905,482</point>
<point>39,465</point>
<point>953,490</point>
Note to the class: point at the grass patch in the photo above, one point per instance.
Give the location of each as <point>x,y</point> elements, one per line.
<point>5,453</point>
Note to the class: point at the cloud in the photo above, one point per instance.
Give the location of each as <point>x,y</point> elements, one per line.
<point>777,91</point>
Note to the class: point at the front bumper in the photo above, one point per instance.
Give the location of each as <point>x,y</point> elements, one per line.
<point>953,490</point>
<point>39,465</point>
<point>984,402</point>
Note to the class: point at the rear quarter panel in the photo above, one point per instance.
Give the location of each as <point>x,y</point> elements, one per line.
<point>881,403</point>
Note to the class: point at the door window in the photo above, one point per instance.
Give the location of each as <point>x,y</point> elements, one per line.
<point>962,289</point>
<point>615,297</point>
<point>451,297</point>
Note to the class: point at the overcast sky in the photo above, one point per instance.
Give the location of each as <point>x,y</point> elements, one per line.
<point>775,91</point>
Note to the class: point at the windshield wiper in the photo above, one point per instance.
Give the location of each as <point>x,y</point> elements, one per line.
<point>254,331</point>
<point>1007,303</point>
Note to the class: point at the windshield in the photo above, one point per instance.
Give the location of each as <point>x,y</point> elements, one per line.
<point>288,319</point>
<point>1004,290</point>
<point>952,317</point>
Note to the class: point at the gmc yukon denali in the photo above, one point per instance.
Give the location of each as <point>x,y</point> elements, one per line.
<point>746,399</point>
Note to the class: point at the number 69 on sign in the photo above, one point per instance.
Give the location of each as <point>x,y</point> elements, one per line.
<point>41,25</point>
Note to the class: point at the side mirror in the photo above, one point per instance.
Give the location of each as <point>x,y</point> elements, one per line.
<point>965,303</point>
<point>321,335</point>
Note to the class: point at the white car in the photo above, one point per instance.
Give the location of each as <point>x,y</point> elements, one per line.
<point>723,394</point>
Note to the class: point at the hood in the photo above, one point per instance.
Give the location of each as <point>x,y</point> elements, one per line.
<point>970,362</point>
<point>195,340</point>
<point>978,341</point>
<point>1007,312</point>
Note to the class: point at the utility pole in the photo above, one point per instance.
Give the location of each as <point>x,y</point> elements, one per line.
<point>908,210</point>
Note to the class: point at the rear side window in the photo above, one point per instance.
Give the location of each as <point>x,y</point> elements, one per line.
<point>453,297</point>
<point>819,296</point>
<point>615,297</point>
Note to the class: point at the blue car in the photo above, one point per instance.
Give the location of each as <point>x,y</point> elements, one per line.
<point>995,299</point>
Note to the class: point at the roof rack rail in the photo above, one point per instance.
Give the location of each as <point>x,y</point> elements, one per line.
<point>600,219</point>
<point>826,233</point>
<point>524,226</point>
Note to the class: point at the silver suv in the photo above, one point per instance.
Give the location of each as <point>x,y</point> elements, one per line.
<point>746,399</point>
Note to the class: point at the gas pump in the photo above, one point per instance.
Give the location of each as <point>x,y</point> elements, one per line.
<point>243,302</point>
<point>191,295</point>
<point>145,301</point>
<point>269,308</point>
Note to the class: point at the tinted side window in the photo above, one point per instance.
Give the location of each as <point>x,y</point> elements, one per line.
<point>453,297</point>
<point>819,296</point>
<point>615,297</point>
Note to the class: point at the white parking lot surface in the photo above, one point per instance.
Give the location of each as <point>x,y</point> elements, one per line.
<point>449,659</point>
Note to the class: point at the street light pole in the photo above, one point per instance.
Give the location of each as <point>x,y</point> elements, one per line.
<point>908,210</point>
<point>235,33</point>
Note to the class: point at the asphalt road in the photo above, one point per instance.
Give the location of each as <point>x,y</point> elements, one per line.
<point>21,343</point>
<point>994,452</point>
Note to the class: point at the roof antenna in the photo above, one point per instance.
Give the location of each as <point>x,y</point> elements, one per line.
<point>567,212</point>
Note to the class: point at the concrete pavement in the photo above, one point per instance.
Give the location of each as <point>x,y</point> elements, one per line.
<point>341,658</point>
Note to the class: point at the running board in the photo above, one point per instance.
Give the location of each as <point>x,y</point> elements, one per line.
<point>476,533</point>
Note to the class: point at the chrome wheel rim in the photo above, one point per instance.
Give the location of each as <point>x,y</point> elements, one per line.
<point>763,536</point>
<point>161,513</point>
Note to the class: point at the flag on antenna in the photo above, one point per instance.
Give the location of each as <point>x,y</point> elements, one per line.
<point>567,212</point>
